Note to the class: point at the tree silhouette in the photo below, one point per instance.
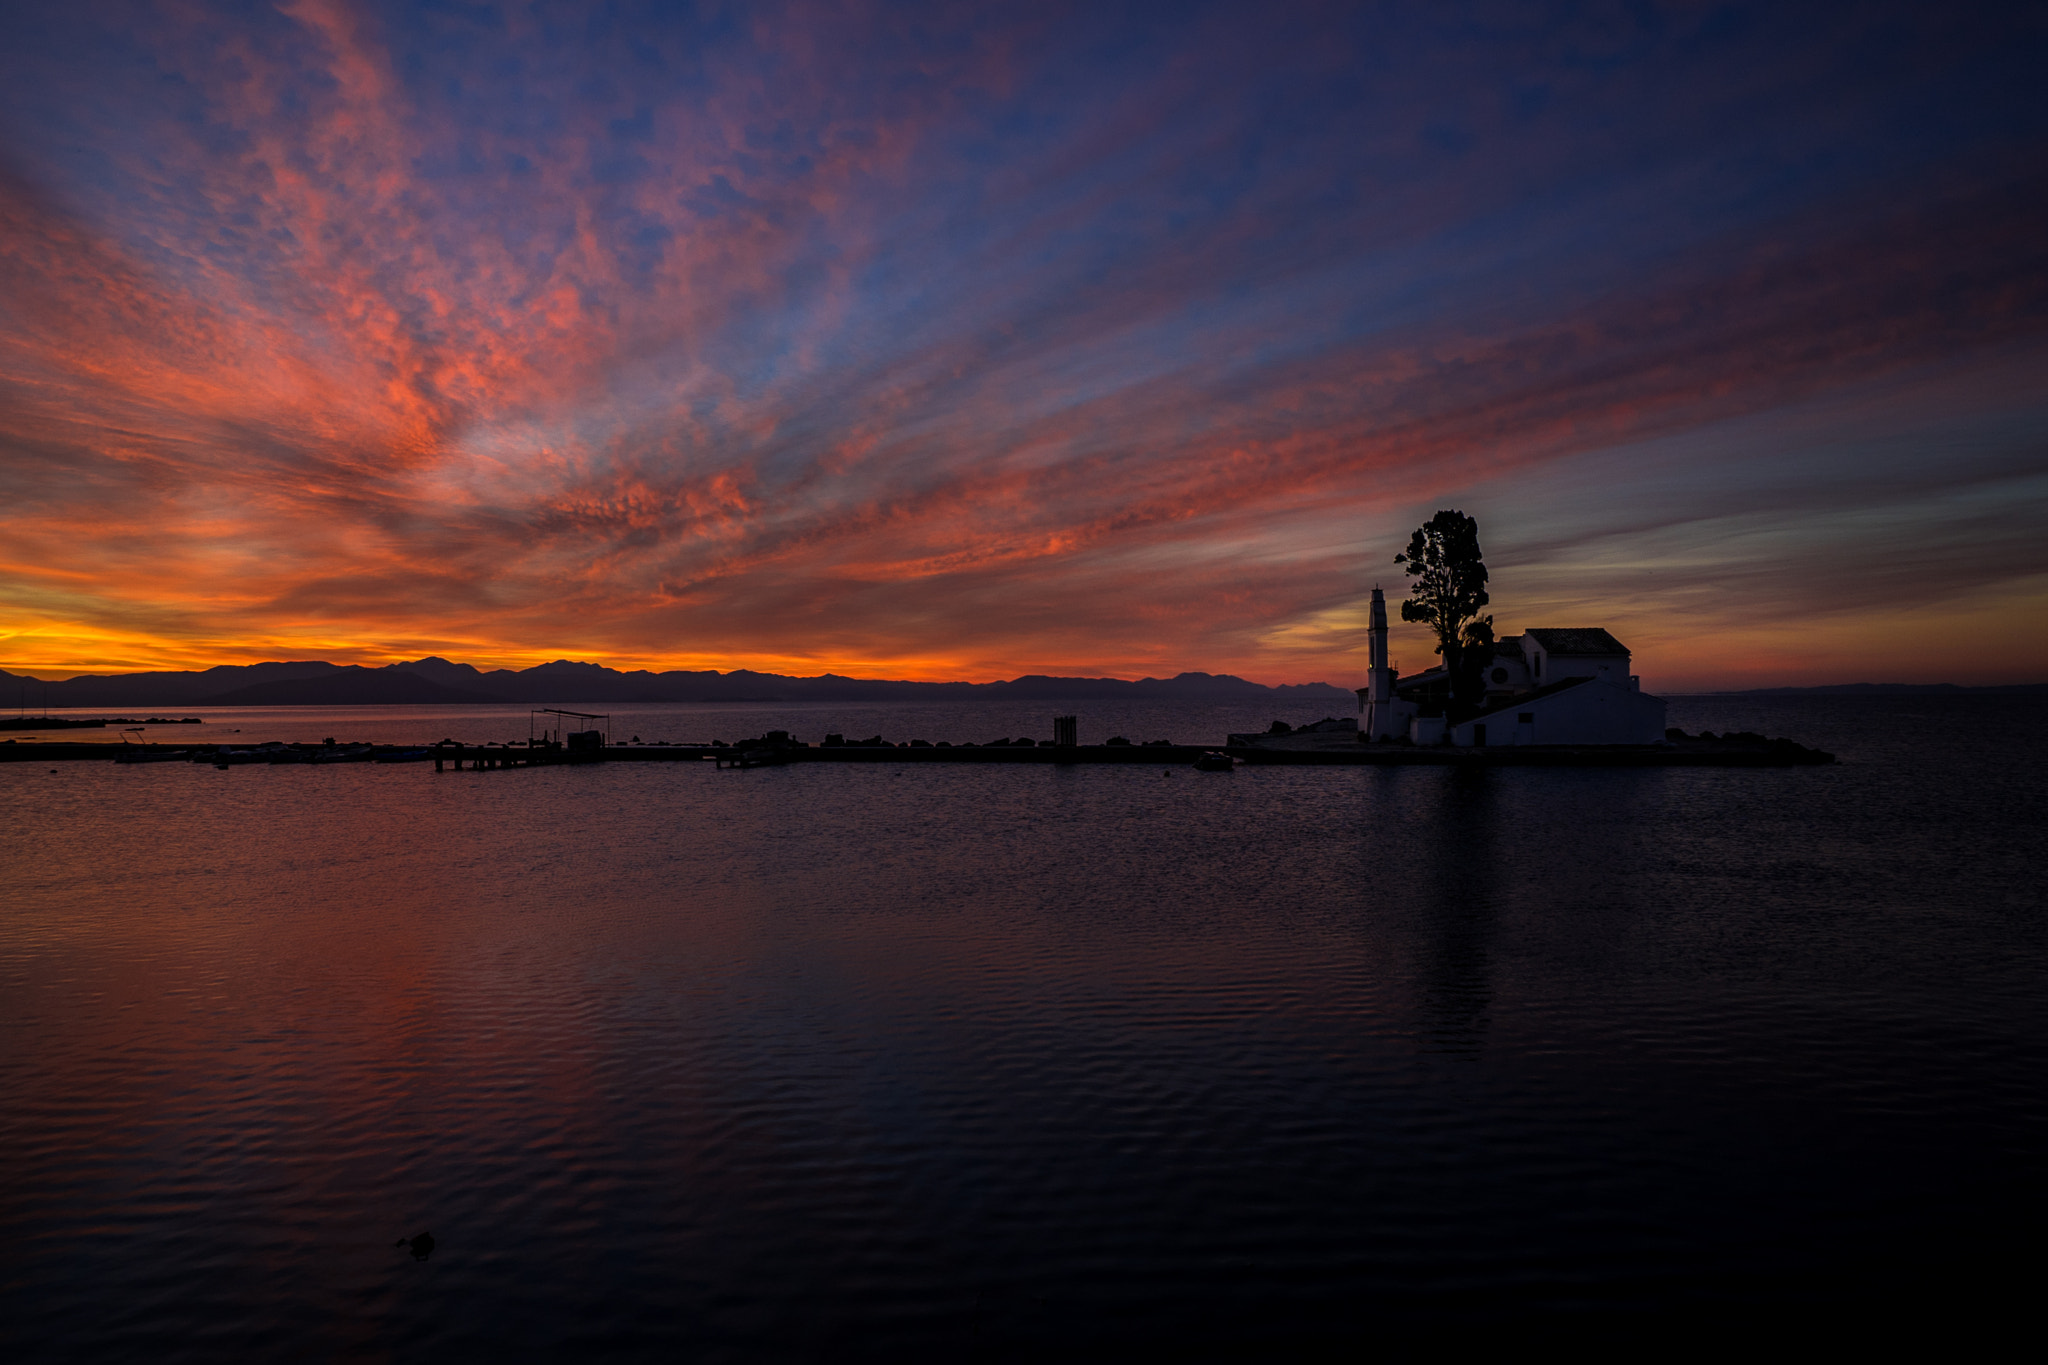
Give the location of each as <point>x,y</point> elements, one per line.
<point>1449,589</point>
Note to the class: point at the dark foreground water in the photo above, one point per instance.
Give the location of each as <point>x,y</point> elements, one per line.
<point>950,1062</point>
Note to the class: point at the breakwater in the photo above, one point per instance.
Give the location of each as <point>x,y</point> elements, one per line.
<point>1695,753</point>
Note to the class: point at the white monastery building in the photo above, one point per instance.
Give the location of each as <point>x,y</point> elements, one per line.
<point>1545,686</point>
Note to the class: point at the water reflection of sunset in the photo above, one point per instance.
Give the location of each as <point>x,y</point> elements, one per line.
<point>663,1054</point>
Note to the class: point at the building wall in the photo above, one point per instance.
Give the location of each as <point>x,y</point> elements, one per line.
<point>1507,673</point>
<point>1596,712</point>
<point>1383,720</point>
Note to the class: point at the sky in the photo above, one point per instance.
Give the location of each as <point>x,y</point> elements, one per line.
<point>933,341</point>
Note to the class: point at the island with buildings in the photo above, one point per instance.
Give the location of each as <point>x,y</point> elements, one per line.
<point>1553,695</point>
<point>1547,685</point>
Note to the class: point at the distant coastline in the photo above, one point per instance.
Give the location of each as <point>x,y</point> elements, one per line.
<point>1881,689</point>
<point>436,681</point>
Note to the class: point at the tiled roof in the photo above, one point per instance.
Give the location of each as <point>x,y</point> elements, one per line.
<point>1510,646</point>
<point>1577,640</point>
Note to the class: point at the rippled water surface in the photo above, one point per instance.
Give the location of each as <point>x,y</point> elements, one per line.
<point>833,1061</point>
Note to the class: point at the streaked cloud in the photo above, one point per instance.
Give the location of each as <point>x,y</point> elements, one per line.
<point>911,341</point>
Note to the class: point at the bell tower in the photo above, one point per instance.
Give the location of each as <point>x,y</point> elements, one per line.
<point>1383,716</point>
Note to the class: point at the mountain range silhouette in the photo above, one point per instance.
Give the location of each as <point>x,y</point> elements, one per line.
<point>434,680</point>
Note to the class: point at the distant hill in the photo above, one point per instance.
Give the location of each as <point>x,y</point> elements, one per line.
<point>1883,689</point>
<point>434,681</point>
<point>350,686</point>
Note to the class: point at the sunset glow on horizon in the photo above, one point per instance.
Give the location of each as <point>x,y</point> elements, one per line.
<point>929,343</point>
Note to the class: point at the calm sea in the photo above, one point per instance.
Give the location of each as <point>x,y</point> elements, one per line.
<point>830,1062</point>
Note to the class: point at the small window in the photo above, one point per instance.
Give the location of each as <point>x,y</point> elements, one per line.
<point>1526,717</point>
<point>1500,675</point>
<point>1479,735</point>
